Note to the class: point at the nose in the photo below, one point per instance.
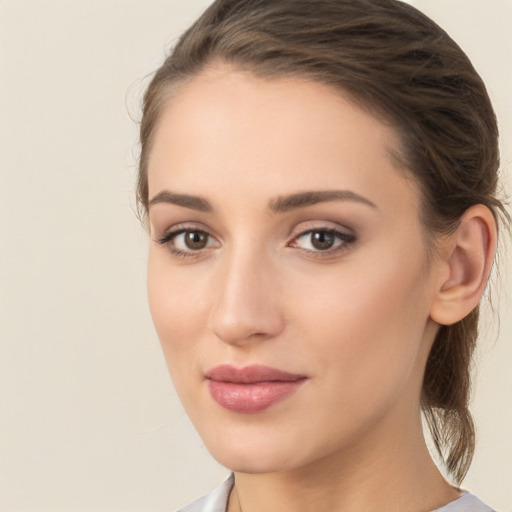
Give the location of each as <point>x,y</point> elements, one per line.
<point>247,306</point>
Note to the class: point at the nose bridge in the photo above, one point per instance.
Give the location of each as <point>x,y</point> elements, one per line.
<point>246,303</point>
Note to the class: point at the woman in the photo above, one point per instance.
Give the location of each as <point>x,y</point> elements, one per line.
<point>319,180</point>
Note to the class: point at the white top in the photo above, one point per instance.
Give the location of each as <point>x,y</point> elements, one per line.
<point>217,501</point>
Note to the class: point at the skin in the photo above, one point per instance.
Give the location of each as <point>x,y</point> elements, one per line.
<point>357,320</point>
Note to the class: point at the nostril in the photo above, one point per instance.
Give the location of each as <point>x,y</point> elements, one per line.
<point>246,324</point>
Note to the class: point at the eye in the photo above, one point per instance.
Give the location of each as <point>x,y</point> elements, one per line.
<point>184,242</point>
<point>322,240</point>
<point>193,240</point>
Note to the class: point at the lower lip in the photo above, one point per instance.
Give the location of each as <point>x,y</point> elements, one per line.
<point>252,397</point>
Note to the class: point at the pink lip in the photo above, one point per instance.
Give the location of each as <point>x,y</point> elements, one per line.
<point>252,388</point>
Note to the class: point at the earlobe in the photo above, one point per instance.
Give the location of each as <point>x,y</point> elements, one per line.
<point>468,258</point>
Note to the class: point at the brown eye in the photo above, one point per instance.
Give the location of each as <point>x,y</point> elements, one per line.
<point>186,242</point>
<point>195,240</point>
<point>329,241</point>
<point>322,240</point>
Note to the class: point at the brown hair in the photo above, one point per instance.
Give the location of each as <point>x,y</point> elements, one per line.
<point>402,67</point>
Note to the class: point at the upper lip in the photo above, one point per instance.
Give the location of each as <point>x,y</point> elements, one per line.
<point>250,374</point>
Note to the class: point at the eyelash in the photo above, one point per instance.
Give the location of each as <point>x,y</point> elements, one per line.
<point>169,236</point>
<point>347,240</point>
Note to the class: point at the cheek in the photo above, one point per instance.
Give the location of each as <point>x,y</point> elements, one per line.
<point>366,324</point>
<point>178,309</point>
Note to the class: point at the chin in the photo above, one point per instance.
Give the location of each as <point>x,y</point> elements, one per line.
<point>251,464</point>
<point>257,452</point>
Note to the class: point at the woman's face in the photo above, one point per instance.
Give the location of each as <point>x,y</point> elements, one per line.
<point>287,277</point>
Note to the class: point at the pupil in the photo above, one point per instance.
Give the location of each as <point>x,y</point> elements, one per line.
<point>322,240</point>
<point>195,240</point>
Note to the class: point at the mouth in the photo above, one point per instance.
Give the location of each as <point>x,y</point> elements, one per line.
<point>252,388</point>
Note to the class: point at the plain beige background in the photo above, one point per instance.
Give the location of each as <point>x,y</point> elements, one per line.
<point>88,417</point>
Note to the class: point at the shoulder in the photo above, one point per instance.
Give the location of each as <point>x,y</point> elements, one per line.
<point>466,503</point>
<point>214,501</point>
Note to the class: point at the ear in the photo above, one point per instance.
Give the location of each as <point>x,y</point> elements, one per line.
<point>465,265</point>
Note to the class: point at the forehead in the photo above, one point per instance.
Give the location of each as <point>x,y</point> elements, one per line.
<point>229,126</point>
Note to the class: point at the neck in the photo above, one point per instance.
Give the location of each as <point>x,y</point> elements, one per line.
<point>398,475</point>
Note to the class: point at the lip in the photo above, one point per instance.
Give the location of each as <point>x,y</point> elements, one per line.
<point>252,388</point>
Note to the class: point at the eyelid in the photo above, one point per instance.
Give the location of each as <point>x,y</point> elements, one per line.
<point>321,225</point>
<point>180,227</point>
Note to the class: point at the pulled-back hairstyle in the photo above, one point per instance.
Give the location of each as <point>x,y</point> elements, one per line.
<point>399,65</point>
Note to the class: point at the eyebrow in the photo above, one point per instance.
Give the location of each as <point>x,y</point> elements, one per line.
<point>303,199</point>
<point>279,205</point>
<point>185,200</point>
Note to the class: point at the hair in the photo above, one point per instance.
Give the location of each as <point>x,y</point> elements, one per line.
<point>399,65</point>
